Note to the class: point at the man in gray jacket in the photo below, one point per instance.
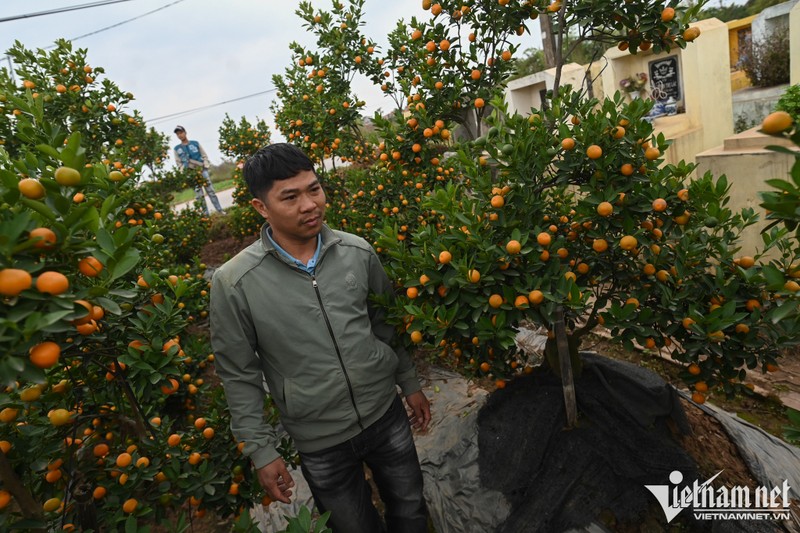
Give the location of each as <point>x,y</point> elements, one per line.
<point>295,309</point>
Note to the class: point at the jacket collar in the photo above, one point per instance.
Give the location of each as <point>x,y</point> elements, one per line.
<point>329,238</point>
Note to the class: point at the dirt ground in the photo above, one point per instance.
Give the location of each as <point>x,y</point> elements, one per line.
<point>713,451</point>
<point>764,410</point>
<point>206,523</point>
<point>217,252</point>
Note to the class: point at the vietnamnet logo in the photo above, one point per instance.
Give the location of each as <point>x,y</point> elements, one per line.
<point>722,503</point>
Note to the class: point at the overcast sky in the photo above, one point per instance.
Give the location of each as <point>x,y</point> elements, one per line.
<point>196,53</point>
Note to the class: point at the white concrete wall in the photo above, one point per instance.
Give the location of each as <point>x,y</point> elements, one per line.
<point>708,83</point>
<point>523,93</point>
<point>753,104</point>
<point>772,19</point>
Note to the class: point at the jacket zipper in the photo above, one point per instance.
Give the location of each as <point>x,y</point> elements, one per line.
<point>338,352</point>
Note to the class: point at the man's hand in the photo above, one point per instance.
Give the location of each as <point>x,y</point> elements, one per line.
<point>420,410</point>
<point>276,480</point>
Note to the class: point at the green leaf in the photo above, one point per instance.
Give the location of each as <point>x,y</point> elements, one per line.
<point>784,309</point>
<point>9,179</point>
<point>29,524</point>
<point>52,318</point>
<point>131,525</point>
<point>39,207</point>
<point>73,155</point>
<point>108,204</point>
<point>782,149</point>
<point>10,230</point>
<point>109,305</point>
<point>722,185</point>
<point>781,184</point>
<point>773,276</point>
<point>123,293</point>
<point>93,218</point>
<point>322,522</point>
<point>74,219</point>
<point>106,241</point>
<point>48,150</point>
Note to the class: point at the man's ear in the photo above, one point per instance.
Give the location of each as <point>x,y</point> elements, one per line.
<point>261,207</point>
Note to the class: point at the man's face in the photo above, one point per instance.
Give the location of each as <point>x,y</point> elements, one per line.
<point>294,208</point>
<point>181,135</point>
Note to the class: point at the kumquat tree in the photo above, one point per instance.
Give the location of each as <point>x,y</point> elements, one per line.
<point>570,212</point>
<point>600,233</point>
<point>567,212</point>
<point>240,141</point>
<point>107,418</point>
<point>317,109</point>
<point>449,68</point>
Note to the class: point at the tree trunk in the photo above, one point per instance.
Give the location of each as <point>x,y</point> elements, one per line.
<point>565,365</point>
<point>29,507</point>
<point>548,41</point>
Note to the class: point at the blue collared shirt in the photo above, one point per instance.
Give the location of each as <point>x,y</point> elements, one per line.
<point>312,263</point>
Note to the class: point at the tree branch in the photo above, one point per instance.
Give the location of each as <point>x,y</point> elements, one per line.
<point>11,482</point>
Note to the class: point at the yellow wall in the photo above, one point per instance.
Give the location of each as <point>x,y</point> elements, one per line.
<point>734,27</point>
<point>739,81</point>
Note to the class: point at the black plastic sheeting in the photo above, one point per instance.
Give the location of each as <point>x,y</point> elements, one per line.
<point>557,479</point>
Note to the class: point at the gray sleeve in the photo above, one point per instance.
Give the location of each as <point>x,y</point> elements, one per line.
<point>204,155</point>
<point>233,339</point>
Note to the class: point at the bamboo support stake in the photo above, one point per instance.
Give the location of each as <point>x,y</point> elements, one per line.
<point>567,381</point>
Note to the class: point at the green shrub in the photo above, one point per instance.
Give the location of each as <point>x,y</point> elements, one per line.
<point>164,185</point>
<point>743,123</point>
<point>244,221</point>
<point>790,102</point>
<point>186,232</point>
<point>766,62</point>
<point>221,172</point>
<point>219,229</point>
<point>306,522</point>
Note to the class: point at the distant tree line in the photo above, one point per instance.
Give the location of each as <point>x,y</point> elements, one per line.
<point>727,11</point>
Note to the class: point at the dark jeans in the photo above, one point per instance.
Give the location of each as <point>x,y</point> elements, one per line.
<point>336,478</point>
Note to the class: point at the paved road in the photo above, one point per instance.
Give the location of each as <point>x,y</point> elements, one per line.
<point>225,199</point>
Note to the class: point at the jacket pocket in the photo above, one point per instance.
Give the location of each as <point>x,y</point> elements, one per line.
<point>299,399</point>
<point>380,363</point>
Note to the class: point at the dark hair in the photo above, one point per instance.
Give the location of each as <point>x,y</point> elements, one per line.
<point>277,161</point>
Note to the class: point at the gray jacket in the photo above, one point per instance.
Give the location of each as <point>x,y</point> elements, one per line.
<point>320,343</point>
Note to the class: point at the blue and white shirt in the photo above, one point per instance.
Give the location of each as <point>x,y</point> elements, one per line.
<point>312,263</point>
<point>193,150</point>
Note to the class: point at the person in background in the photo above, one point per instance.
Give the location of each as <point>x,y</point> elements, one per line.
<point>190,155</point>
<point>295,310</point>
